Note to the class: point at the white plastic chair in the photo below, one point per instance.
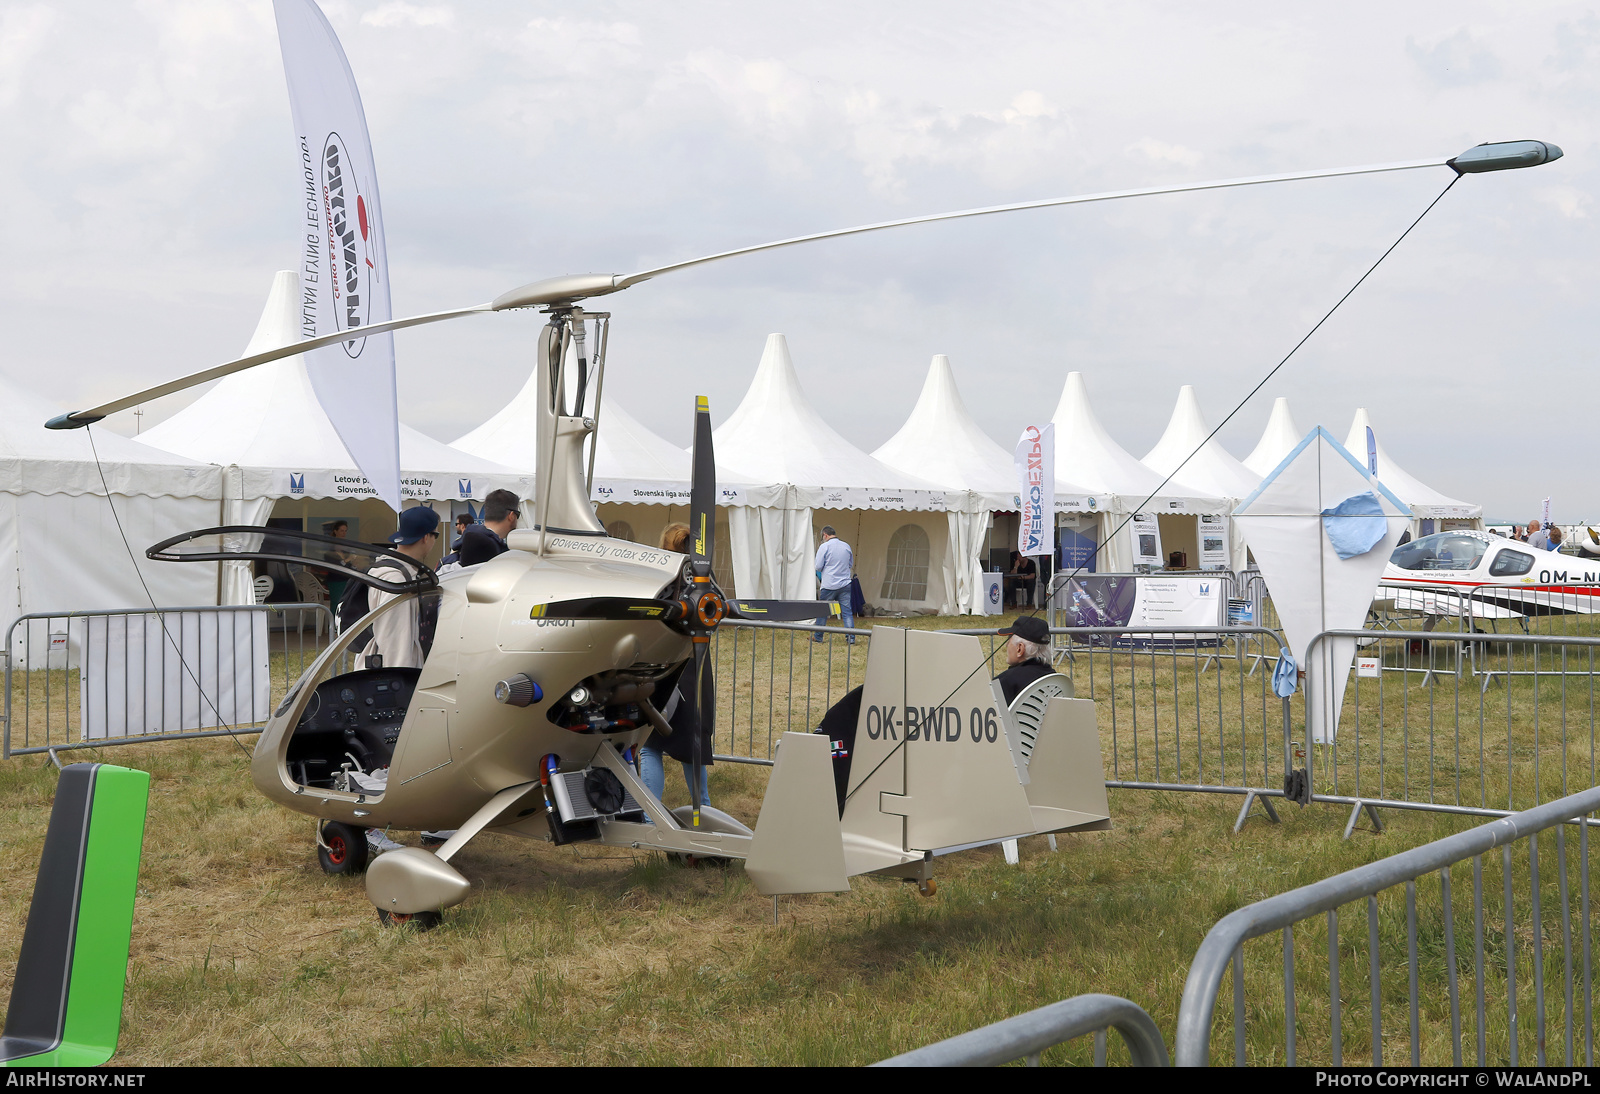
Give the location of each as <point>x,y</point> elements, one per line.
<point>1026,716</point>
<point>310,591</point>
<point>263,588</point>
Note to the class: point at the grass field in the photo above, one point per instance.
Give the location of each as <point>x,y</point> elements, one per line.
<point>244,952</point>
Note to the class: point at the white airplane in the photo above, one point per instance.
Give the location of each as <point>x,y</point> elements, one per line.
<point>1464,572</point>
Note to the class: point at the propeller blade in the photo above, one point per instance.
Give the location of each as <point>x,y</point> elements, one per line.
<point>77,419</point>
<point>703,492</point>
<point>702,712</point>
<point>784,611</point>
<point>609,607</point>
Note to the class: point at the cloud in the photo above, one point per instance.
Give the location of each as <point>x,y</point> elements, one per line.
<point>400,14</point>
<point>1162,152</point>
<point>1455,61</point>
<point>1569,201</point>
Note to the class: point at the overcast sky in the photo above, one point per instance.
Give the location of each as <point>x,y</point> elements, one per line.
<point>148,193</point>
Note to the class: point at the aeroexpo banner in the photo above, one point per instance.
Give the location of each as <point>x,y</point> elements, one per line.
<point>1035,458</point>
<point>344,269</point>
<point>1177,602</point>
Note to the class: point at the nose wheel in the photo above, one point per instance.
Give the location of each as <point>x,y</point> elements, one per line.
<point>341,848</point>
<point>418,921</point>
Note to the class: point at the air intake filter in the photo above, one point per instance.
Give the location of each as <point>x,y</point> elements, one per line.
<point>518,691</point>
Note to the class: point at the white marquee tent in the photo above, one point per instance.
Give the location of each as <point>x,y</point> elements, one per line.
<point>60,546</point>
<point>1086,455</point>
<point>641,480</point>
<point>266,429</point>
<point>1277,441</point>
<point>894,522</point>
<point>1431,511</point>
<point>1201,465</point>
<point>941,442</point>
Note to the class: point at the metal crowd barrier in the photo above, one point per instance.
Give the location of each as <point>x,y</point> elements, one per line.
<point>1027,1036</point>
<point>1445,741</point>
<point>98,678</point>
<point>1169,722</point>
<point>1490,980</point>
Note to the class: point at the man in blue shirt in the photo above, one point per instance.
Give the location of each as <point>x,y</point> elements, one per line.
<point>835,561</point>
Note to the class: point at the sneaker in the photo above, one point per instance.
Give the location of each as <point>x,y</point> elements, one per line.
<point>850,641</point>
<point>437,839</point>
<point>380,842</point>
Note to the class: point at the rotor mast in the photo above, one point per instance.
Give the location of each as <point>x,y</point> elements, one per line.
<point>566,418</point>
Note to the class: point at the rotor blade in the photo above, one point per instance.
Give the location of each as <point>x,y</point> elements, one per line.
<point>77,419</point>
<point>783,611</point>
<point>608,607</point>
<point>703,492</point>
<point>1083,199</point>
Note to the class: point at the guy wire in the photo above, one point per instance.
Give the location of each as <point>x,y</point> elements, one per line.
<point>1226,419</point>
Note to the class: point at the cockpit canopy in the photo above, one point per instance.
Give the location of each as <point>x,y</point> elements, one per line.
<point>1443,551</point>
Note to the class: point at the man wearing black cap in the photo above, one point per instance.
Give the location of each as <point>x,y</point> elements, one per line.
<point>395,635</point>
<point>1027,653</point>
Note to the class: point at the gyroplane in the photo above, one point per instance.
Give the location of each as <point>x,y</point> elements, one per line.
<point>544,663</point>
<point>1483,576</point>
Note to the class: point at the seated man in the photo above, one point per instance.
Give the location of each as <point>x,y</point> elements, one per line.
<point>1027,653</point>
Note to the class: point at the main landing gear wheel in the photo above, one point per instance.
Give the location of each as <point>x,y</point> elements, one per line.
<point>341,848</point>
<point>418,921</point>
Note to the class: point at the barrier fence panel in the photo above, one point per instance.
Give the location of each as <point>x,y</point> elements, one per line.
<point>1460,722</point>
<point>90,679</point>
<point>1027,1036</point>
<point>1178,709</point>
<point>1174,714</point>
<point>1477,947</point>
<point>774,678</point>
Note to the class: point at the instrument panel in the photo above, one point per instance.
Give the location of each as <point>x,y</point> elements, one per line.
<point>355,718</point>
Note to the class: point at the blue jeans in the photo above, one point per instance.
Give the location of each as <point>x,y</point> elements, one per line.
<point>652,772</point>
<point>843,597</point>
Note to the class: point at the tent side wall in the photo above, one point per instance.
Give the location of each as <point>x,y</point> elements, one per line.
<point>68,554</point>
<point>871,533</point>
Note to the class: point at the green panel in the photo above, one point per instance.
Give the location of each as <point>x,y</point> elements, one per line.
<point>105,920</point>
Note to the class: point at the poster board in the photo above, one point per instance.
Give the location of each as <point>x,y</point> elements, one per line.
<point>1179,601</point>
<point>1213,542</point>
<point>1146,534</point>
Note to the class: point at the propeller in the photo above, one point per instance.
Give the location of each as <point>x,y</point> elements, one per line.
<point>567,290</point>
<point>783,611</point>
<point>610,607</point>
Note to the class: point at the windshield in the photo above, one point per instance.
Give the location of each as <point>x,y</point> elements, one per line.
<point>1445,551</point>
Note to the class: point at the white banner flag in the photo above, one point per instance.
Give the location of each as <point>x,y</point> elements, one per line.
<point>344,270</point>
<point>1035,457</point>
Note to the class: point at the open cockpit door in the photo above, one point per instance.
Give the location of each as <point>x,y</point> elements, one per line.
<point>348,558</point>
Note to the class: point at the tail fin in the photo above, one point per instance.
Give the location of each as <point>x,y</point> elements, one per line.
<point>66,1000</point>
<point>798,846</point>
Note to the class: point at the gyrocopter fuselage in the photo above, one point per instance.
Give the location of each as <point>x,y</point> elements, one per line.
<point>542,671</point>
